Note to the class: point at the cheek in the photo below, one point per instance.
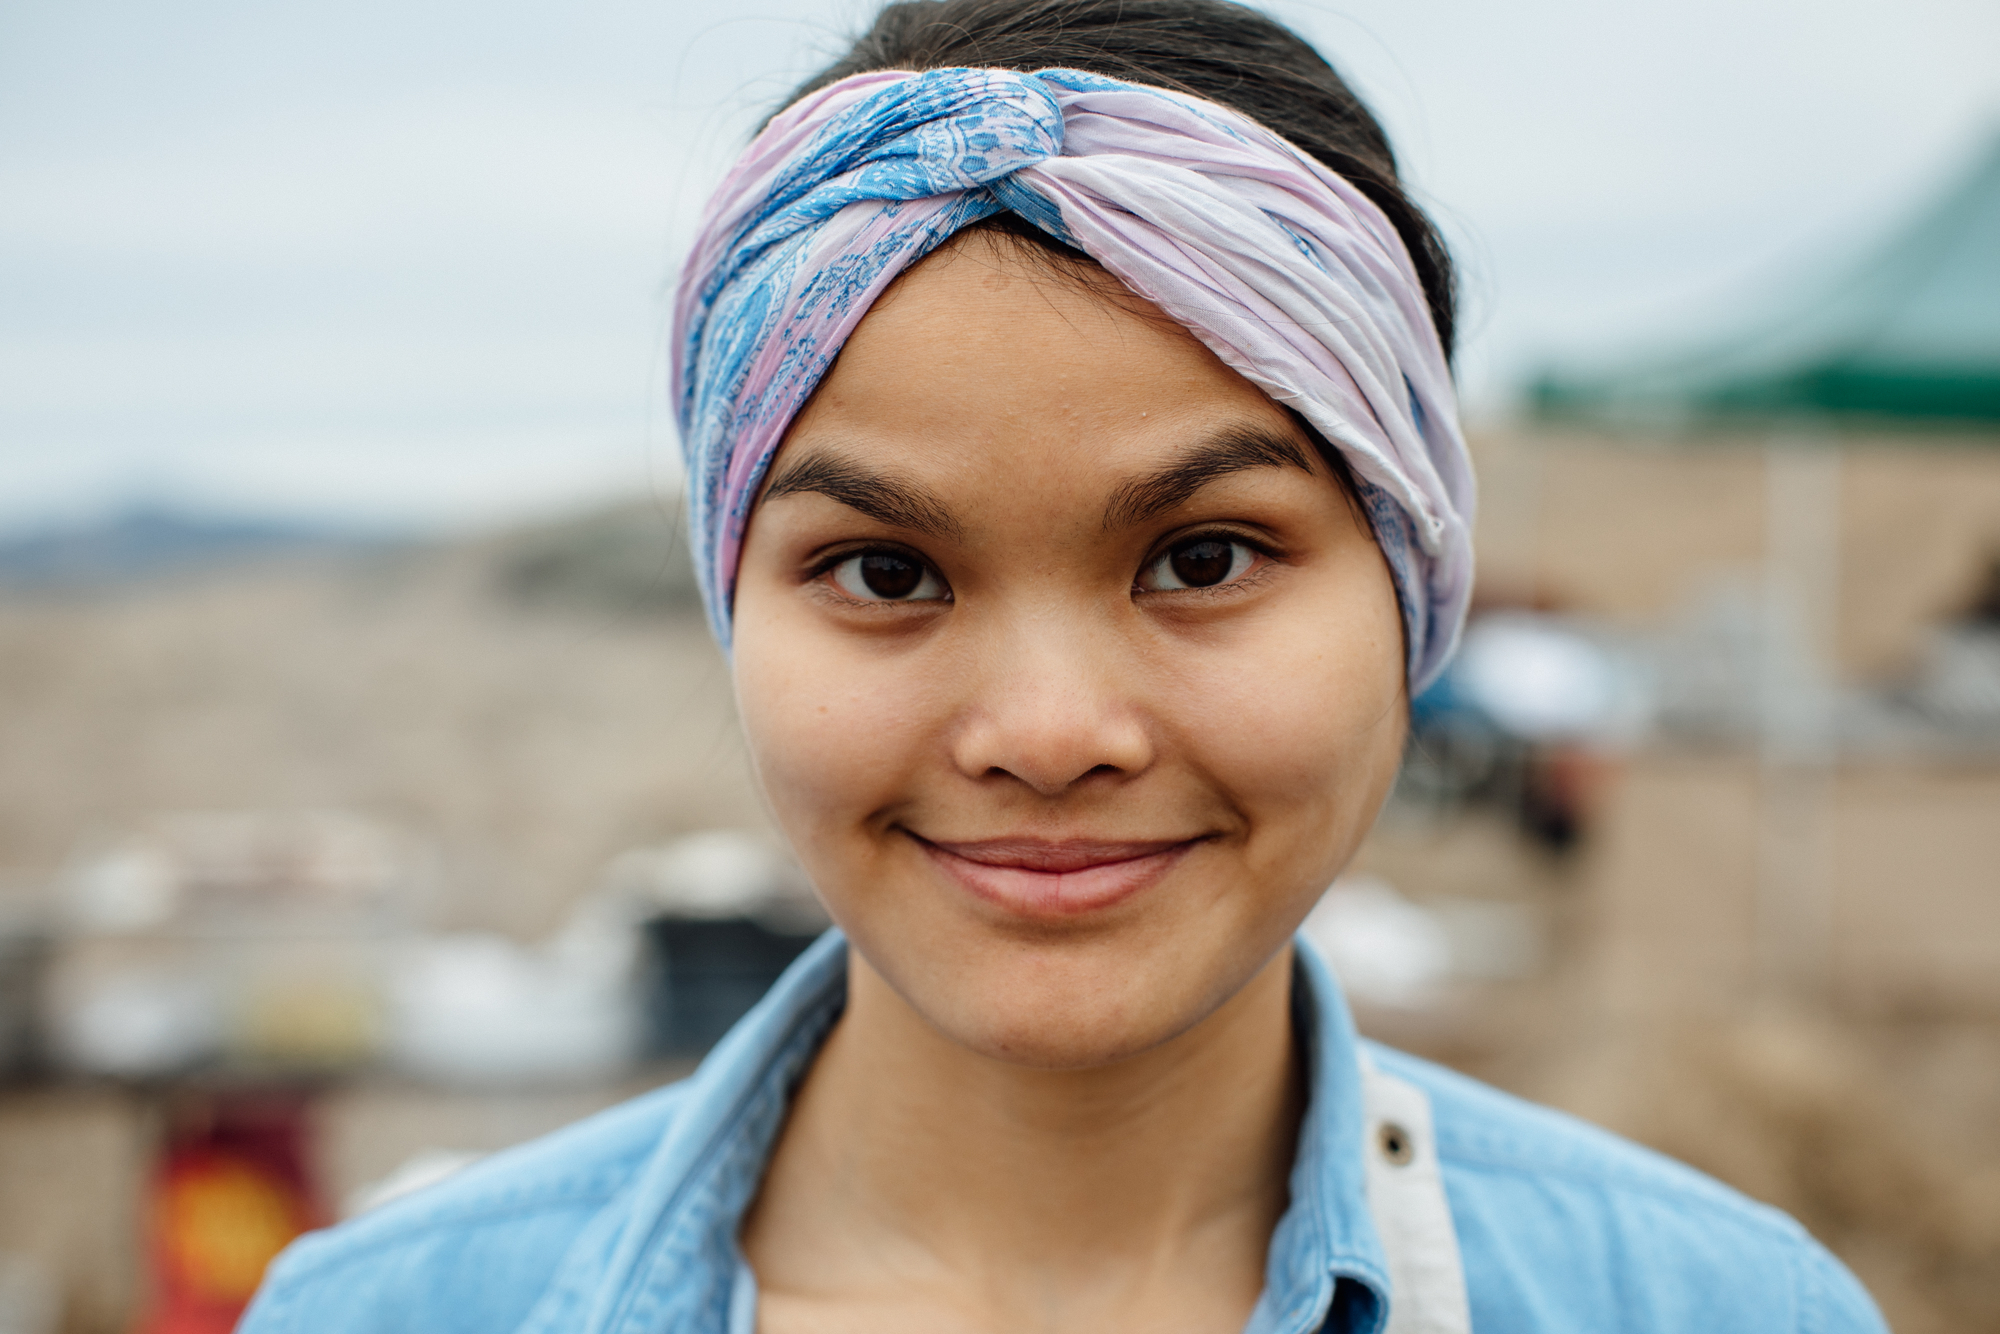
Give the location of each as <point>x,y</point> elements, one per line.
<point>1301,721</point>
<point>836,737</point>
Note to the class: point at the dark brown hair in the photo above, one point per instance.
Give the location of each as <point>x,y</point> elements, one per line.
<point>1212,49</point>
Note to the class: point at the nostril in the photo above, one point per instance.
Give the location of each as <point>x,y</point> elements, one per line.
<point>1050,744</point>
<point>1051,784</point>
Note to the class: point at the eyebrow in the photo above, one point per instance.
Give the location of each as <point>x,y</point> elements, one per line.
<point>1230,450</point>
<point>881,496</point>
<point>901,503</point>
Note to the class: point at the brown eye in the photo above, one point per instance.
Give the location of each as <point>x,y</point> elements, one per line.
<point>891,576</point>
<point>888,576</point>
<point>1201,562</point>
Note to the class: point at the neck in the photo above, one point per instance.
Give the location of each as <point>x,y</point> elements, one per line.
<point>911,1162</point>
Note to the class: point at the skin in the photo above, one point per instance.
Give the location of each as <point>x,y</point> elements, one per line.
<point>1067,808</point>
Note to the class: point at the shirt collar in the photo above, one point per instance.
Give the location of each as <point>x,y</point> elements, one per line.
<point>676,1262</point>
<point>1326,1268</point>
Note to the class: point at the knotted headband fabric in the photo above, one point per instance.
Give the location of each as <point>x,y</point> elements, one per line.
<point>1283,269</point>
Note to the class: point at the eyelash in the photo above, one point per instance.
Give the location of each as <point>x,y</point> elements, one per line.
<point>820,571</point>
<point>1231,536</point>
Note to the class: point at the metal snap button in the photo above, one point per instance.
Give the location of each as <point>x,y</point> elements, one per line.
<point>1396,1143</point>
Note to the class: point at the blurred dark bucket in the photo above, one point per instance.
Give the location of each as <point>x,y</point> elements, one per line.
<point>708,974</point>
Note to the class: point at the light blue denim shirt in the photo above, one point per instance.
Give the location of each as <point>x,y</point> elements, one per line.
<point>626,1223</point>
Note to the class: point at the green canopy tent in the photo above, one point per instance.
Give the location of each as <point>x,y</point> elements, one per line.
<point>1912,333</point>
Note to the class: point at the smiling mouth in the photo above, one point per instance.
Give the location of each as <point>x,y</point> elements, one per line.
<point>1055,877</point>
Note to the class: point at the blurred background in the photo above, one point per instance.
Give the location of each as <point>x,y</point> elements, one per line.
<point>370,792</point>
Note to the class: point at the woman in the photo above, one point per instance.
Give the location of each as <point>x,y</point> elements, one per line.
<point>1077,488</point>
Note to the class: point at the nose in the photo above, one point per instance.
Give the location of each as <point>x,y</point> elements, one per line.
<point>1049,705</point>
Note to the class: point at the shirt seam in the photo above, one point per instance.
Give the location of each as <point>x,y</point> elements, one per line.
<point>1806,1315</point>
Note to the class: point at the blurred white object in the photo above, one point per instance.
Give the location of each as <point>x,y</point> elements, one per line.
<point>713,876</point>
<point>482,1009</point>
<point>1385,949</point>
<point>28,1299</point>
<point>1390,951</point>
<point>1535,679</point>
<point>139,1022</point>
<point>718,874</point>
<point>125,889</point>
<point>251,936</point>
<point>228,870</point>
<point>426,1167</point>
<point>1958,679</point>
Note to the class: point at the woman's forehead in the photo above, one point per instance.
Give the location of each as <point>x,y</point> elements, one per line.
<point>982,346</point>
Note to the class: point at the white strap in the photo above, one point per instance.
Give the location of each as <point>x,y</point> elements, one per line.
<point>1412,1216</point>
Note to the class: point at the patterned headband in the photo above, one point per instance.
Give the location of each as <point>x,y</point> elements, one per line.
<point>1284,270</point>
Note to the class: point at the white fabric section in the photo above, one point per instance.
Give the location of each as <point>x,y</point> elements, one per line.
<point>1412,1215</point>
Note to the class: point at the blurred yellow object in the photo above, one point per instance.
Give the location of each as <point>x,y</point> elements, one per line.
<point>231,1191</point>
<point>223,1222</point>
<point>320,1021</point>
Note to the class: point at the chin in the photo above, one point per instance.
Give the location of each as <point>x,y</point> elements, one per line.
<point>1043,1034</point>
<point>1077,1002</point>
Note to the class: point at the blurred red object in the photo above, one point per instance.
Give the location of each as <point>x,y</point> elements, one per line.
<point>230,1190</point>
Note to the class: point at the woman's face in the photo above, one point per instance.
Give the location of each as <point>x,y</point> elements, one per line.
<point>1069,670</point>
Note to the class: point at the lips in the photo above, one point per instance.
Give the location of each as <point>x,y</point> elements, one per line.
<point>1055,877</point>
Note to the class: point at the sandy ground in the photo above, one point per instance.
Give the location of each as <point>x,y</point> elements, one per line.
<point>531,745</point>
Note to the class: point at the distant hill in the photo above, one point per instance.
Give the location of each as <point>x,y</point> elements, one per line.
<point>148,541</point>
<point>628,559</point>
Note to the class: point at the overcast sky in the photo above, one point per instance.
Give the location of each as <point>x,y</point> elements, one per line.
<point>406,261</point>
